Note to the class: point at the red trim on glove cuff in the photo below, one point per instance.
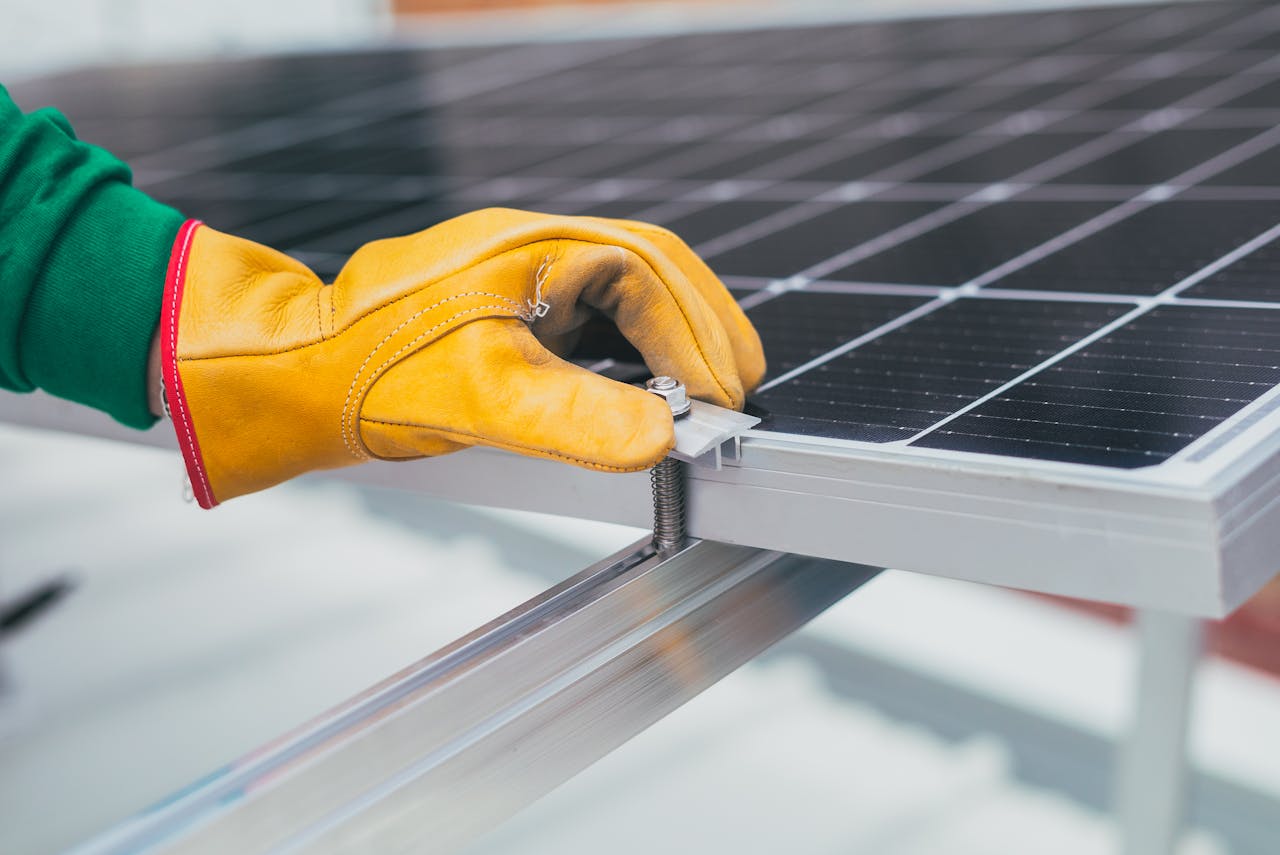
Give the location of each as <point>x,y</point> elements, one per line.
<point>175,397</point>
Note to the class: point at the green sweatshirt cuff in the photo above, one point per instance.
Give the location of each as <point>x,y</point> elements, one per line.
<point>87,329</point>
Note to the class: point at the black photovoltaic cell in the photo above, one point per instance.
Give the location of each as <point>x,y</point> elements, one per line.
<point>906,380</point>
<point>954,253</point>
<point>742,159</point>
<point>798,326</point>
<point>870,160</point>
<point>1018,98</point>
<point>309,222</point>
<point>1255,276</point>
<point>705,224</point>
<point>401,220</point>
<point>752,144</point>
<point>1134,397</point>
<point>1149,251</point>
<point>1008,158</point>
<point>790,250</point>
<point>1159,93</point>
<point>1261,169</point>
<point>1157,158</point>
<point>1266,96</point>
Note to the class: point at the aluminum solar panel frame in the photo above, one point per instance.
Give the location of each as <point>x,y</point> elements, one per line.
<point>1013,273</point>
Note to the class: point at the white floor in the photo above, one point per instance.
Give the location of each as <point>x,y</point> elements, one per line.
<point>193,636</point>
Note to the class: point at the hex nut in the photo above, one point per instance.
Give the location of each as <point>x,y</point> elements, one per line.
<point>672,391</point>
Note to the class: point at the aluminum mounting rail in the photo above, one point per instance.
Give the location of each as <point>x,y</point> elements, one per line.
<point>441,752</point>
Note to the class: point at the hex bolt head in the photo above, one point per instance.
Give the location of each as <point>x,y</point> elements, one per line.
<point>673,391</point>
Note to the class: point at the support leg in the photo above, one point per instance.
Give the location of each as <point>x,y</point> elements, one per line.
<point>1152,769</point>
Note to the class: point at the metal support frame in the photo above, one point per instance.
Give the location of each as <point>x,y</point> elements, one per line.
<point>436,755</point>
<point>1152,769</point>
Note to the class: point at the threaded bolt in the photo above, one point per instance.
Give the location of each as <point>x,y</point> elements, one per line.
<point>668,505</point>
<point>667,477</point>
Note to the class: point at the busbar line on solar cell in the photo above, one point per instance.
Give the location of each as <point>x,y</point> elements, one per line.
<point>1034,370</point>
<point>885,328</point>
<point>1234,427</point>
<point>1145,308</point>
<point>1153,355</point>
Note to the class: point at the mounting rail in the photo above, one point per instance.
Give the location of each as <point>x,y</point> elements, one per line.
<point>439,753</point>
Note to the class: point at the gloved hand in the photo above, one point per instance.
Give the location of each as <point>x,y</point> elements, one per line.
<point>432,342</point>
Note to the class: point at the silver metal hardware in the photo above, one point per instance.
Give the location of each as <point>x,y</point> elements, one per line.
<point>668,505</point>
<point>709,435</point>
<point>672,391</point>
<point>669,531</point>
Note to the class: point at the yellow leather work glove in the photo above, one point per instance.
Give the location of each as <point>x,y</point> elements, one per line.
<point>432,342</point>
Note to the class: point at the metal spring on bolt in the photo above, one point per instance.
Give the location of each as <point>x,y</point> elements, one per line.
<point>668,505</point>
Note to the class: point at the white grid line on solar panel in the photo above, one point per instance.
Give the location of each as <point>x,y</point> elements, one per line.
<point>689,194</point>
<point>816,154</point>
<point>1011,189</point>
<point>846,195</point>
<point>810,158</point>
<point>1195,58</point>
<point>836,286</point>
<point>1127,209</point>
<point>597,135</point>
<point>1191,59</point>
<point>645,135</point>
<point>456,83</point>
<point>303,187</point>
<point>759,229</point>
<point>1147,197</point>
<point>824,152</point>
<point>1107,218</point>
<point>650,202</point>
<point>944,297</point>
<point>1144,306</point>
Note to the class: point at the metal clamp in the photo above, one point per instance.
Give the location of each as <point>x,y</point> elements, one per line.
<point>705,436</point>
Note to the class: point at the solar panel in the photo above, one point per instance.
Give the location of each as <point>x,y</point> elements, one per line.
<point>1046,238</point>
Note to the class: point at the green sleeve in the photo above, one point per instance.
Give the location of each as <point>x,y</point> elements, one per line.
<point>83,256</point>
